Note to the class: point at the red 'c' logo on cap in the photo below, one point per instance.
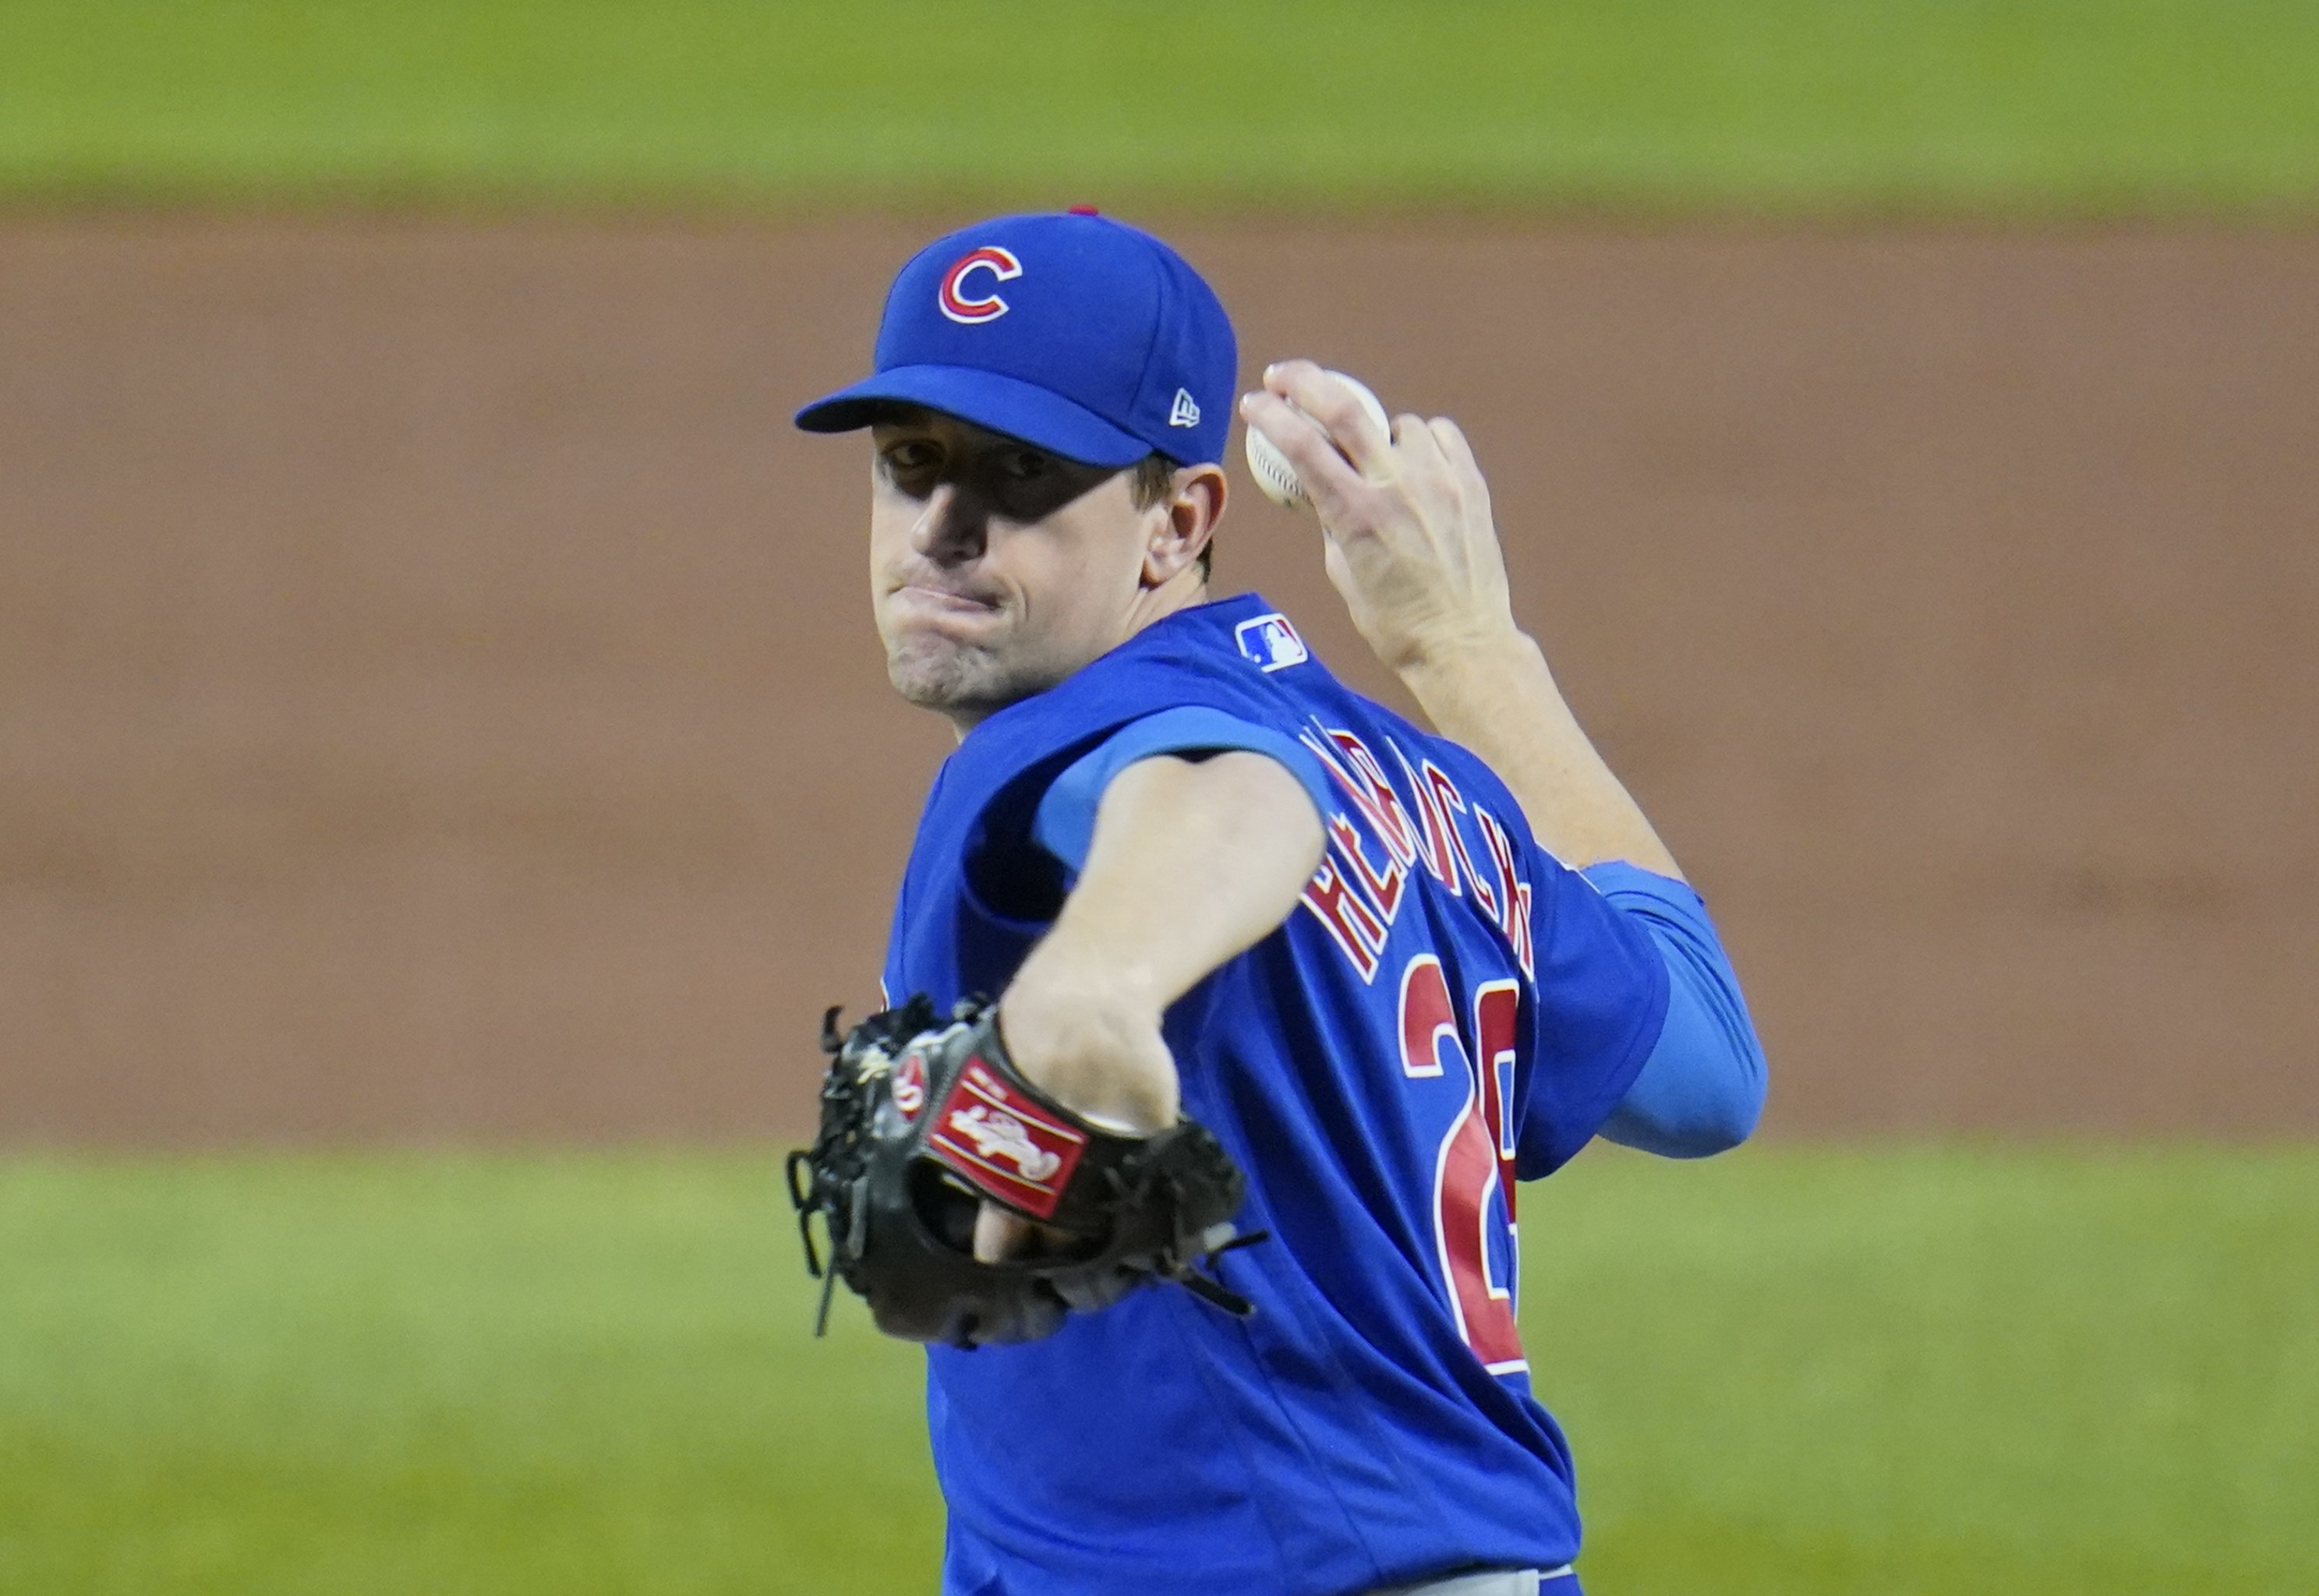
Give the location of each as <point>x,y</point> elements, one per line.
<point>999,262</point>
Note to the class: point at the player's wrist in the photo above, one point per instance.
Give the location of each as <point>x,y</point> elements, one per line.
<point>1450,653</point>
<point>1091,1039</point>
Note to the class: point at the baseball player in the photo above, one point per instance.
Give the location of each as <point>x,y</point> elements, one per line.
<point>1314,984</point>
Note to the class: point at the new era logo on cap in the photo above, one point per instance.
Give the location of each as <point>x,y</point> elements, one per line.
<point>1081,335</point>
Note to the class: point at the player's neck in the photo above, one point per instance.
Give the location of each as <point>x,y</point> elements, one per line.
<point>1151,606</point>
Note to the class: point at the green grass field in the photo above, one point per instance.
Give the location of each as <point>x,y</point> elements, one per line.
<point>1786,106</point>
<point>1791,1371</point>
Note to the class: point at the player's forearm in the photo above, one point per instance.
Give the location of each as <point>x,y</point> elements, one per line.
<point>1191,864</point>
<point>1496,695</point>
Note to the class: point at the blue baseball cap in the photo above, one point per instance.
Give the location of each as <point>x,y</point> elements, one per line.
<point>1079,334</point>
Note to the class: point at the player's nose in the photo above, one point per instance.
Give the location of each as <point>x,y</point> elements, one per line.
<point>950,528</point>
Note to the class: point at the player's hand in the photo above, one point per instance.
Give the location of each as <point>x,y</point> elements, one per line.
<point>1410,542</point>
<point>1083,1036</point>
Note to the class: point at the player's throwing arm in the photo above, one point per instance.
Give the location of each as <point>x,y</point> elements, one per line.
<point>1411,545</point>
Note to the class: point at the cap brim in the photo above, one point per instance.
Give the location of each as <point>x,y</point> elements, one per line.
<point>1001,403</point>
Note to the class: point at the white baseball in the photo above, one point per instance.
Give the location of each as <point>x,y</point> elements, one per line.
<point>1275,479</point>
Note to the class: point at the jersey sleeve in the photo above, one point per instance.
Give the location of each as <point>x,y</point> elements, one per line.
<point>1602,997</point>
<point>1064,823</point>
<point>1701,1091</point>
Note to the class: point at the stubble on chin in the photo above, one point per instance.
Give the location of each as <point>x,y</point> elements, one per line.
<point>946,676</point>
<point>961,681</point>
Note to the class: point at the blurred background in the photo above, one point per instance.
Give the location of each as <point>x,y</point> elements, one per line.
<point>446,765</point>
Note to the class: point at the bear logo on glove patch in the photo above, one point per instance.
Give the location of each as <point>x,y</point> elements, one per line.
<point>1001,1141</point>
<point>1002,1136</point>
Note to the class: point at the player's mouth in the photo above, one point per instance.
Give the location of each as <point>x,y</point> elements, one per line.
<point>940,600</point>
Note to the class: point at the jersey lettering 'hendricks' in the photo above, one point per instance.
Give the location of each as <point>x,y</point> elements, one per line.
<point>1448,1011</point>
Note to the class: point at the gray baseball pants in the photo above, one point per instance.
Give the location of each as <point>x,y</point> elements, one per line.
<point>1525,1581</point>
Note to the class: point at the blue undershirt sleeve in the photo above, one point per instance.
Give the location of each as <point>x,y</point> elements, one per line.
<point>1701,1089</point>
<point>1065,823</point>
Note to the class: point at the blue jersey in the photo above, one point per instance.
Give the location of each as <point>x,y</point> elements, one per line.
<point>1448,1011</point>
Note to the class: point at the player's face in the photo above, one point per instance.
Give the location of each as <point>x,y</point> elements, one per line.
<point>997,568</point>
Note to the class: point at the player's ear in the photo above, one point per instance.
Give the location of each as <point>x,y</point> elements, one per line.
<point>1194,503</point>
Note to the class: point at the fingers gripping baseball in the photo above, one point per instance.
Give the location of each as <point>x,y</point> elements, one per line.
<point>1411,545</point>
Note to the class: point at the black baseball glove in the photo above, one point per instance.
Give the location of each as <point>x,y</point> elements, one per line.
<point>922,1122</point>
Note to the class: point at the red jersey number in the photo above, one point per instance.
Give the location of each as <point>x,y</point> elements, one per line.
<point>1477,1156</point>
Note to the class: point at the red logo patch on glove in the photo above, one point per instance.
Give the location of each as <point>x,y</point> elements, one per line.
<point>1006,1145</point>
<point>910,1084</point>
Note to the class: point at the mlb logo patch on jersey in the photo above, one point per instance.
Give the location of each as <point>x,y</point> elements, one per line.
<point>1006,1145</point>
<point>1269,643</point>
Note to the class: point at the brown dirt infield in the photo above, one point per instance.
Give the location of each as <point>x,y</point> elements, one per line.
<point>437,696</point>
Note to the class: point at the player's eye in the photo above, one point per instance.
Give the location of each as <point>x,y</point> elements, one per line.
<point>1022,466</point>
<point>909,457</point>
